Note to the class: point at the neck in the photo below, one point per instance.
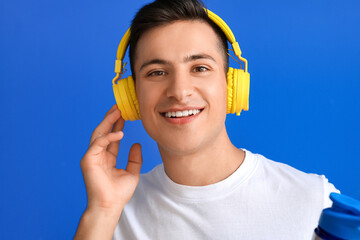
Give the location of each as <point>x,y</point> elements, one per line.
<point>205,165</point>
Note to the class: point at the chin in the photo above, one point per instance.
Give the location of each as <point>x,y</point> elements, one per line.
<point>186,139</point>
<point>183,144</point>
<point>179,149</point>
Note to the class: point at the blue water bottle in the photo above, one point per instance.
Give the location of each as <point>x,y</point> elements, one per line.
<point>341,221</point>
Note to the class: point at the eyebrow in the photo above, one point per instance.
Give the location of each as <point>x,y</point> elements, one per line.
<point>198,56</point>
<point>186,59</point>
<point>154,61</point>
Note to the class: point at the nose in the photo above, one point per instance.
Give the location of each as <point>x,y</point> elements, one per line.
<point>180,86</point>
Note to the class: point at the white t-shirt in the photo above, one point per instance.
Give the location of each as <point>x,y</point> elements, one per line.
<point>262,199</point>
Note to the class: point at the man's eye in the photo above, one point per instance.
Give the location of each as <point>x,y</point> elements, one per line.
<point>157,73</point>
<point>200,69</point>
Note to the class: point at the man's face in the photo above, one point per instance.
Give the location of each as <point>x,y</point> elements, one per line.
<point>180,71</point>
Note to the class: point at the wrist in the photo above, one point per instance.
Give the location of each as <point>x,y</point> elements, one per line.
<point>104,212</point>
<point>106,207</point>
<point>98,223</point>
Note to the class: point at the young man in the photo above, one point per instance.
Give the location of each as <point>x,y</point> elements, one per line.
<point>206,188</point>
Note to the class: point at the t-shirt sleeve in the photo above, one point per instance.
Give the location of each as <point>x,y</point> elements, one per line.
<point>328,188</point>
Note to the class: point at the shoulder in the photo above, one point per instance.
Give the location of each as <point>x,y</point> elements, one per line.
<point>282,171</point>
<point>284,178</point>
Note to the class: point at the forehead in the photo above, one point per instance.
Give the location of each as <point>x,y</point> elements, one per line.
<point>175,41</point>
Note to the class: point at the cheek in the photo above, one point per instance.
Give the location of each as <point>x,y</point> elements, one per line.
<point>144,102</point>
<point>147,97</point>
<point>218,93</point>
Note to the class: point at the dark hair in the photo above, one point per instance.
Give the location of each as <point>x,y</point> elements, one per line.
<point>162,12</point>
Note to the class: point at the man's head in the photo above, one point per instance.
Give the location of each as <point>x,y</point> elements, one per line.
<point>163,12</point>
<point>181,67</point>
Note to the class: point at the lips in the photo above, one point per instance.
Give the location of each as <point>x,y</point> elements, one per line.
<point>181,116</point>
<point>184,113</point>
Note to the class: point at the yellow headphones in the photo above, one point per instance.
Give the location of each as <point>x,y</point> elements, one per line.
<point>238,80</point>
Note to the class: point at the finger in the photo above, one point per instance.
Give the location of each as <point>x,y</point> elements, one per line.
<point>135,159</point>
<point>101,143</point>
<point>95,132</point>
<point>106,125</point>
<point>112,109</point>
<point>119,124</point>
<point>114,146</point>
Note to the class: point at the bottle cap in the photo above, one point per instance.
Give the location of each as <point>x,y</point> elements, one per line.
<point>343,218</point>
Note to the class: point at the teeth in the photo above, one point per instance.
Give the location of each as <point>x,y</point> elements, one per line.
<point>184,113</point>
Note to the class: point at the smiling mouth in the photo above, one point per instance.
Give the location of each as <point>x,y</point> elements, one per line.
<point>181,114</point>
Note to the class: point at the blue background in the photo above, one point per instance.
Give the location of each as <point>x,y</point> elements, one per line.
<point>56,66</point>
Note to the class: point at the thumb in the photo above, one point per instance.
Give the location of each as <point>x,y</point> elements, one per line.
<point>135,159</point>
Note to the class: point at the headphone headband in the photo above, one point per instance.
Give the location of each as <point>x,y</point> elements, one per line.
<point>215,18</point>
<point>238,80</point>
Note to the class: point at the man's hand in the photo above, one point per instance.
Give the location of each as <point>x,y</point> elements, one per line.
<point>108,188</point>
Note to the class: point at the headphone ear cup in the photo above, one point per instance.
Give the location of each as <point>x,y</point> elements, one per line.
<point>125,96</point>
<point>244,82</point>
<point>238,88</point>
<point>134,99</point>
<point>230,90</point>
